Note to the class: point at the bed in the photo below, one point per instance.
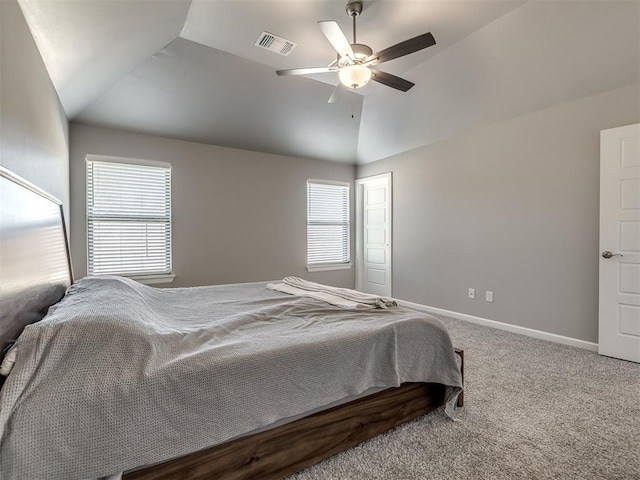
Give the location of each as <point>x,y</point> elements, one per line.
<point>234,381</point>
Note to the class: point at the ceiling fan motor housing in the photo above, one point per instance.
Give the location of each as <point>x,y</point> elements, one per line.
<point>360,54</point>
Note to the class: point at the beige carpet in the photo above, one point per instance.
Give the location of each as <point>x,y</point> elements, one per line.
<point>533,410</point>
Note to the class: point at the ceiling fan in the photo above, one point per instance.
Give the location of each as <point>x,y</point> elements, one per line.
<point>355,60</point>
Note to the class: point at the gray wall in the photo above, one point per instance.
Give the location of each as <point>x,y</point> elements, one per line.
<point>238,216</point>
<point>511,208</point>
<point>33,127</point>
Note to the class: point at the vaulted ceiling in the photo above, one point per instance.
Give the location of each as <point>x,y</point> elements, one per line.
<point>190,69</point>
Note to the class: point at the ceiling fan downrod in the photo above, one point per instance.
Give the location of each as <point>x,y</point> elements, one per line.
<point>354,9</point>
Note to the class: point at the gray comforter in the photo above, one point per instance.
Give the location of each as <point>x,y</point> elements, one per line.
<point>120,375</point>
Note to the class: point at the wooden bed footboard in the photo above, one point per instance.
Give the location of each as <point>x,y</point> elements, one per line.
<point>284,450</point>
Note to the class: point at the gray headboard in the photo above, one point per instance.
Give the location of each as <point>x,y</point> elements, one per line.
<point>35,269</point>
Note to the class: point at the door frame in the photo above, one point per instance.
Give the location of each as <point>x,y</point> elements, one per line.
<point>359,184</point>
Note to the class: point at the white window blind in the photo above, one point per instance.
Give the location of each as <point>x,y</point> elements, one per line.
<point>128,218</point>
<point>327,222</point>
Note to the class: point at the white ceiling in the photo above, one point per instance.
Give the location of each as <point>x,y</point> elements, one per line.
<point>190,70</point>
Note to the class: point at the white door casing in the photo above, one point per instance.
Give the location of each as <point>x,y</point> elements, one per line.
<point>619,310</point>
<point>373,234</point>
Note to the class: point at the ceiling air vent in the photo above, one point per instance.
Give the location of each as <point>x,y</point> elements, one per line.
<point>276,44</point>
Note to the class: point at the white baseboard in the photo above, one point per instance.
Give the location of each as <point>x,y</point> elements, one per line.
<point>530,332</point>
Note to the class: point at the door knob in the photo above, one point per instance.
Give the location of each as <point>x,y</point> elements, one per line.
<point>608,254</point>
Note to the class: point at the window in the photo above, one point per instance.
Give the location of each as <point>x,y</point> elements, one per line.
<point>128,218</point>
<point>328,245</point>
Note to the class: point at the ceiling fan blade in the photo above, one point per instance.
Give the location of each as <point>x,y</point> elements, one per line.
<point>405,48</point>
<point>391,80</point>
<point>306,71</point>
<point>337,93</point>
<point>336,37</point>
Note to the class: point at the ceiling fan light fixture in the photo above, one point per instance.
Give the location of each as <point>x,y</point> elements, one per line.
<point>354,76</point>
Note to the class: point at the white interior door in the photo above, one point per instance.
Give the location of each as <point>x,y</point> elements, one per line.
<point>619,322</point>
<point>373,235</point>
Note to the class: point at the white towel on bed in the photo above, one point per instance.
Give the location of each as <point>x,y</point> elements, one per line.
<point>340,297</point>
<point>324,296</point>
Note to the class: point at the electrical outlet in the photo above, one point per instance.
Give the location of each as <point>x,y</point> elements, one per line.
<point>472,293</point>
<point>489,296</point>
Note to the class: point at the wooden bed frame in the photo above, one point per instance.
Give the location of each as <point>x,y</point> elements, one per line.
<point>284,450</point>
<point>33,285</point>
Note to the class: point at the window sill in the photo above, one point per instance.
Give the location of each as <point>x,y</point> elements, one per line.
<point>153,279</point>
<point>329,266</point>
